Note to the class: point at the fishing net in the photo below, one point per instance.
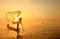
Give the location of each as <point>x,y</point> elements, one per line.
<point>10,16</point>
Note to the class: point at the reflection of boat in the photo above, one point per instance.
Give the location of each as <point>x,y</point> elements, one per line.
<point>11,28</point>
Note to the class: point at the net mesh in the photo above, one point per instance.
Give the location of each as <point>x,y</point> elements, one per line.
<point>10,16</point>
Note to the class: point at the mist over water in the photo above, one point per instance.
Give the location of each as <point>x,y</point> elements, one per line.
<point>35,29</point>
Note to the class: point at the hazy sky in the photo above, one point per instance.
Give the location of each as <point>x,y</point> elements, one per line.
<point>32,8</point>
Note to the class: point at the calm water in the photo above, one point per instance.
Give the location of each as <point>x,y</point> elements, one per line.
<point>41,29</point>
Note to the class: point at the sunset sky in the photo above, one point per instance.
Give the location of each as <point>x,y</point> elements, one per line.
<point>31,8</point>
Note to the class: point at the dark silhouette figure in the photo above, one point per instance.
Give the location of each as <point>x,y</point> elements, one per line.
<point>16,29</point>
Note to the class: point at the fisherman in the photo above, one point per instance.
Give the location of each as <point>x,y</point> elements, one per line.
<point>14,29</point>
<point>18,21</point>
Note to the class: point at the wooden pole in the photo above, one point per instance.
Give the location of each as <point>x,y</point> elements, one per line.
<point>17,30</point>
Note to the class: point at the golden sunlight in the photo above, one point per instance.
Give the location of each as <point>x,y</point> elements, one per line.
<point>16,19</point>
